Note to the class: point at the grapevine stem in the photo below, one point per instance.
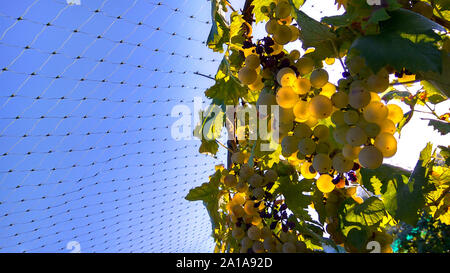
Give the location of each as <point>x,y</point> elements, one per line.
<point>203,75</point>
<point>339,57</point>
<point>403,83</point>
<point>221,144</point>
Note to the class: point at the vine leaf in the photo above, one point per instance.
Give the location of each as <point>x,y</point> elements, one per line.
<point>377,180</point>
<point>440,80</point>
<point>220,31</point>
<point>405,197</point>
<point>295,199</point>
<point>441,126</point>
<point>210,194</point>
<point>209,147</point>
<point>433,95</point>
<point>313,33</point>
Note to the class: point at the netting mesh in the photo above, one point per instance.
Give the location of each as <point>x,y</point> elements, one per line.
<point>86,152</point>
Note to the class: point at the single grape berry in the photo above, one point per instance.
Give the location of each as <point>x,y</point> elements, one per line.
<point>346,74</point>
<point>247,44</point>
<point>355,166</point>
<point>273,225</point>
<point>284,228</point>
<point>283,207</point>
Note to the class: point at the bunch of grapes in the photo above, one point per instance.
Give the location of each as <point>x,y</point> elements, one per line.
<point>257,218</point>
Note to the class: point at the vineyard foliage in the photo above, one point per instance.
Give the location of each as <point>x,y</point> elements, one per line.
<point>328,140</point>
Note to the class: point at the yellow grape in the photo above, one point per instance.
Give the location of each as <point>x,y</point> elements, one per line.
<point>230,180</point>
<point>277,49</point>
<point>289,247</point>
<point>271,26</point>
<point>351,117</point>
<point>370,157</point>
<point>320,107</point>
<point>238,158</point>
<point>286,115</point>
<point>302,131</point>
<point>342,164</point>
<point>322,163</point>
<point>238,233</point>
<point>237,210</point>
<point>321,132</point>
<point>282,35</point>
<point>356,136</point>
<point>387,126</point>
<point>258,193</point>
<point>338,118</point>
<point>247,76</point>
<point>319,78</point>
<point>323,147</point>
<point>330,61</point>
<point>312,121</point>
<point>301,86</point>
<point>294,54</point>
<point>350,152</point>
<point>267,100</point>
<point>254,233</point>
<point>306,146</point>
<point>252,61</point>
<point>270,244</point>
<point>289,144</point>
<point>266,73</point>
<point>286,76</point>
<point>356,64</point>
<point>328,90</point>
<point>358,97</point>
<point>255,180</point>
<point>375,111</point>
<point>295,34</point>
<point>325,184</point>
<point>241,186</point>
<point>249,208</point>
<point>395,113</point>
<point>270,176</point>
<point>304,65</point>
<point>286,97</point>
<point>283,10</point>
<point>340,134</point>
<point>246,243</point>
<point>301,111</point>
<point>258,247</point>
<point>387,144</point>
<point>239,199</point>
<point>339,99</point>
<point>374,97</point>
<point>372,129</point>
<point>257,85</point>
<point>305,170</point>
<point>378,82</point>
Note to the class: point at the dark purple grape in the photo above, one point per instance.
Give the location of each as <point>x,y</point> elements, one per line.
<point>283,207</point>
<point>284,228</point>
<point>284,63</point>
<point>247,44</point>
<point>259,50</point>
<point>290,224</point>
<point>345,74</point>
<point>355,166</point>
<point>273,225</point>
<point>284,215</point>
<point>336,179</point>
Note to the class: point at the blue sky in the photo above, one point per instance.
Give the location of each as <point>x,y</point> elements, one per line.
<point>86,149</point>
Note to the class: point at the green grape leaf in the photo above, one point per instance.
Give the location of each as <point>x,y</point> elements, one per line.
<point>406,118</point>
<point>377,180</point>
<point>210,194</point>
<point>209,147</point>
<point>343,20</point>
<point>211,123</point>
<point>433,95</point>
<point>259,15</point>
<point>369,213</point>
<point>227,90</point>
<point>296,200</point>
<point>405,197</point>
<point>313,33</point>
<point>319,206</point>
<point>394,50</point>
<point>445,153</point>
<point>442,127</point>
<point>357,238</point>
<point>220,30</point>
<point>441,81</point>
<point>406,21</point>
<point>378,16</point>
<point>395,94</point>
